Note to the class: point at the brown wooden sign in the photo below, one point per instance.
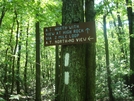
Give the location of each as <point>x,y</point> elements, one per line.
<point>70,34</point>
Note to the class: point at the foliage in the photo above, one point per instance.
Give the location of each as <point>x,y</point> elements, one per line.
<point>14,97</point>
<point>20,17</point>
<point>118,50</point>
<point>1,99</point>
<point>23,16</point>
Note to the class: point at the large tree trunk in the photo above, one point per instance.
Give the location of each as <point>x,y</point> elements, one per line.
<point>72,12</point>
<point>90,54</point>
<point>131,32</point>
<point>81,67</point>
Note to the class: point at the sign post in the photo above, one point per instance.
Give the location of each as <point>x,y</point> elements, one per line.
<point>70,34</point>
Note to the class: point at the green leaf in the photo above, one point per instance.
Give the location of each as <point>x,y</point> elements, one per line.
<point>132,35</point>
<point>14,97</point>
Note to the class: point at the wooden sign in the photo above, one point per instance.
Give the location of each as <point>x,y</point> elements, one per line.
<point>70,34</point>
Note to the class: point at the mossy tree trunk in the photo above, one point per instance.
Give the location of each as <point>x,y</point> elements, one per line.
<point>81,68</point>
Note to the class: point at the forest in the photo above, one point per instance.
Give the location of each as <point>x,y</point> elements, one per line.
<point>96,71</point>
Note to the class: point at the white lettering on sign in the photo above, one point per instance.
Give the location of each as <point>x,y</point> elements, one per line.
<point>62,37</point>
<point>81,39</point>
<point>70,34</point>
<point>64,41</point>
<point>48,38</point>
<point>87,30</point>
<point>60,28</point>
<point>66,59</point>
<point>46,30</point>
<point>67,32</point>
<point>50,34</point>
<point>73,26</point>
<point>75,35</point>
<point>78,30</point>
<point>66,78</point>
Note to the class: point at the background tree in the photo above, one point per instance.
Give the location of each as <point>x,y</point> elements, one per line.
<point>90,54</point>
<point>131,33</point>
<point>50,12</point>
<point>111,97</point>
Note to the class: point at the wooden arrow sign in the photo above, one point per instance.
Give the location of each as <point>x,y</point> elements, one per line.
<point>70,34</point>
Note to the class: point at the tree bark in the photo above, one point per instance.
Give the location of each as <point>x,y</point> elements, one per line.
<point>90,54</point>
<point>131,33</point>
<point>81,71</point>
<point>72,12</point>
<point>111,97</point>
<point>57,72</point>
<point>38,88</point>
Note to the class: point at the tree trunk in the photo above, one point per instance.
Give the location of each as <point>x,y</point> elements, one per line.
<point>18,63</point>
<point>6,76</point>
<point>131,33</point>
<point>81,64</point>
<point>18,69</point>
<point>75,90</point>
<point>10,77</point>
<point>111,97</point>
<point>14,53</point>
<point>2,14</point>
<point>38,88</point>
<point>25,69</point>
<point>56,72</point>
<point>90,54</point>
